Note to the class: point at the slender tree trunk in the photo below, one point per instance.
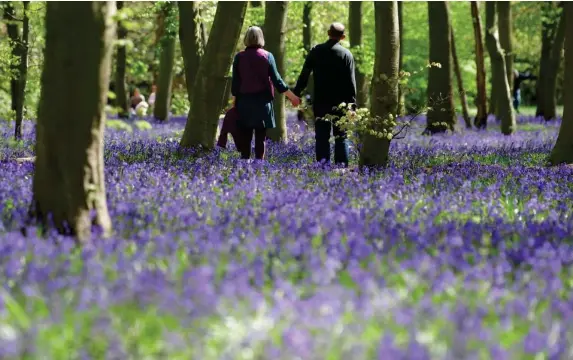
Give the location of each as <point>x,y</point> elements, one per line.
<point>401,97</point>
<point>166,64</point>
<point>203,119</point>
<point>120,70</point>
<point>190,40</point>
<point>307,40</point>
<point>504,108</point>
<point>505,35</point>
<point>204,36</point>
<point>355,38</point>
<point>547,33</point>
<point>19,69</point>
<point>554,63</point>
<point>563,150</point>
<point>274,28</point>
<point>384,101</point>
<point>442,115</point>
<point>480,120</point>
<point>22,71</point>
<point>461,90</point>
<point>69,177</point>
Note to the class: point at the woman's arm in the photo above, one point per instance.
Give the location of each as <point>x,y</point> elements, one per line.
<point>236,77</point>
<point>279,83</point>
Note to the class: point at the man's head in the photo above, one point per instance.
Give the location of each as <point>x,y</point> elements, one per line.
<point>153,88</point>
<point>336,31</point>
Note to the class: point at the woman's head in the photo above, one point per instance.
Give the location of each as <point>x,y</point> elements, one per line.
<point>254,37</point>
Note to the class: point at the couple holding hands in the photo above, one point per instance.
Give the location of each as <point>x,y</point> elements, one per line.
<point>255,78</point>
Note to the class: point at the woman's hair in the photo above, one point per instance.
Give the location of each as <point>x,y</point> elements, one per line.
<point>254,37</point>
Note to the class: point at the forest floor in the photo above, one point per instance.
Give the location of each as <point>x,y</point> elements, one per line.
<point>460,248</point>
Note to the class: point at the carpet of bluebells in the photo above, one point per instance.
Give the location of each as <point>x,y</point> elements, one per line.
<point>460,249</point>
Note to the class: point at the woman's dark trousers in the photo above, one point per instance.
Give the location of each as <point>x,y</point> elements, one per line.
<point>247,138</point>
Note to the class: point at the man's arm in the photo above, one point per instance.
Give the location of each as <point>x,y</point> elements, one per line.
<point>302,81</point>
<point>352,85</point>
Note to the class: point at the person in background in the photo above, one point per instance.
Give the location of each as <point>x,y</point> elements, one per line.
<point>151,99</point>
<point>518,78</point>
<point>254,74</point>
<point>136,98</point>
<point>138,105</point>
<point>334,84</point>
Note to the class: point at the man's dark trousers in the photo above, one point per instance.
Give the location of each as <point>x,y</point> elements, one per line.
<point>322,130</point>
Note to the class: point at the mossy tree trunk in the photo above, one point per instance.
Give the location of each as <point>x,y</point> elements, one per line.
<point>355,39</point>
<point>480,120</point>
<point>461,90</point>
<point>441,115</point>
<point>166,63</point>
<point>548,29</point>
<point>554,62</point>
<point>121,95</point>
<point>274,28</point>
<point>563,150</point>
<point>384,94</point>
<point>401,97</point>
<point>19,70</point>
<point>190,40</point>
<point>203,119</point>
<point>505,25</point>
<point>69,176</point>
<point>503,109</point>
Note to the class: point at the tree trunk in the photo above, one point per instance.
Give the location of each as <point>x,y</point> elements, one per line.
<point>547,31</point>
<point>504,108</point>
<point>461,89</point>
<point>121,95</point>
<point>563,150</point>
<point>355,39</point>
<point>480,120</point>
<point>554,62</point>
<point>307,40</point>
<point>441,115</point>
<point>203,119</point>
<point>190,40</point>
<point>19,70</point>
<point>401,98</point>
<point>69,177</point>
<point>384,101</point>
<point>166,62</point>
<point>505,35</point>
<point>274,28</point>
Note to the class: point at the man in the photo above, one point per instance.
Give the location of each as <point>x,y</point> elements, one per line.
<point>334,83</point>
<point>518,78</point>
<point>151,100</point>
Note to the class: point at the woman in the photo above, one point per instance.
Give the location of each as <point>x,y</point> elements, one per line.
<point>254,74</point>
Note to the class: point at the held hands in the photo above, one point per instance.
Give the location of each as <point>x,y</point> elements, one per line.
<point>294,100</point>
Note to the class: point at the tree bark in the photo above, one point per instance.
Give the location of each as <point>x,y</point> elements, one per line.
<point>461,90</point>
<point>548,28</point>
<point>166,63</point>
<point>203,120</point>
<point>384,101</point>
<point>504,109</point>
<point>307,40</point>
<point>19,44</point>
<point>190,40</point>
<point>505,36</point>
<point>563,150</point>
<point>401,97</point>
<point>274,28</point>
<point>121,95</point>
<point>554,62</point>
<point>441,116</point>
<point>69,177</point>
<point>480,120</point>
<point>355,39</point>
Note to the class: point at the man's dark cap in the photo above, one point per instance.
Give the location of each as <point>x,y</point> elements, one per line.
<point>336,30</point>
